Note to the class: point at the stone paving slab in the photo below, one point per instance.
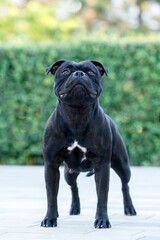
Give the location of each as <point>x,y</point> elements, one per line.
<point>23,206</point>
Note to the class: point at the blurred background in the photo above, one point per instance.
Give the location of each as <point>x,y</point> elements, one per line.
<point>124,35</point>
<point>45,20</point>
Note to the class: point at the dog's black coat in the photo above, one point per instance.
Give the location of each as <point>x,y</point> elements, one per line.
<point>79,134</point>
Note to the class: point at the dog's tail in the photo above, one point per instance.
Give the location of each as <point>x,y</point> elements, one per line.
<point>90,173</point>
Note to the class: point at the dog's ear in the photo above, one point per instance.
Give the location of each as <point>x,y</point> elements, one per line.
<point>53,68</point>
<point>100,67</point>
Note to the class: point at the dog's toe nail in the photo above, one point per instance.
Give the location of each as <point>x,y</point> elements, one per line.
<point>102,223</point>
<point>130,211</point>
<point>49,222</point>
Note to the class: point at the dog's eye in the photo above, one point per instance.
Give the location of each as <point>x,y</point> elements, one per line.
<point>65,71</point>
<point>91,72</point>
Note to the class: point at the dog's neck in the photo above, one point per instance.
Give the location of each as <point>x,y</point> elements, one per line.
<point>77,118</point>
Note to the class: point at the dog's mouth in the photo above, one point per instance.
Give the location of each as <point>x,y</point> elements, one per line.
<point>76,89</point>
<point>62,95</point>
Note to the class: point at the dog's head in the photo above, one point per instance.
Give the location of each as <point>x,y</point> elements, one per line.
<point>77,84</point>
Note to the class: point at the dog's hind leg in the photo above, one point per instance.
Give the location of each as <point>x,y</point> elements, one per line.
<point>71,180</point>
<point>124,174</point>
<point>120,164</point>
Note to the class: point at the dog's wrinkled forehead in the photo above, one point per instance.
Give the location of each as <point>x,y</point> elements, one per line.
<point>74,66</point>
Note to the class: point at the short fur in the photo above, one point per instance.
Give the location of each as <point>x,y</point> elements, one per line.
<point>79,117</point>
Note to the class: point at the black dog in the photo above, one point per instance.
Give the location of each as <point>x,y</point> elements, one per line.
<point>79,134</point>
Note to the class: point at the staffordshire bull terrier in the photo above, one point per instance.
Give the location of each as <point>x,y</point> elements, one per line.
<point>79,134</point>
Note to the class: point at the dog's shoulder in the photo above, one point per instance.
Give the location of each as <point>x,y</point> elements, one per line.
<point>51,120</point>
<point>110,121</point>
<point>50,126</point>
<point>112,124</point>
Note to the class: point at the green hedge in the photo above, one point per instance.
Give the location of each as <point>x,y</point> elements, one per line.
<point>131,96</point>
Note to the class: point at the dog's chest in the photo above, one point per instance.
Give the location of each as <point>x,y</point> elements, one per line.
<point>77,157</point>
<point>75,145</point>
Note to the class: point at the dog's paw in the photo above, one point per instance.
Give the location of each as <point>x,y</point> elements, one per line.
<point>102,223</point>
<point>75,210</point>
<point>49,222</point>
<point>130,211</point>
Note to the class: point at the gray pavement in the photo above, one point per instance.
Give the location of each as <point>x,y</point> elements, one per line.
<point>23,206</point>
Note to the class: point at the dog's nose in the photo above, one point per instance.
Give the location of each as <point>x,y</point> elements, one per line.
<point>79,74</point>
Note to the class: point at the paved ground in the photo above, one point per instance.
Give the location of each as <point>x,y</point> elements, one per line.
<point>23,206</point>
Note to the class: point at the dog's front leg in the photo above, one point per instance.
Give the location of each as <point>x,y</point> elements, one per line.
<point>52,176</point>
<point>102,187</point>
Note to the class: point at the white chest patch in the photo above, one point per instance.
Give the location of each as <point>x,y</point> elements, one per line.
<point>74,145</point>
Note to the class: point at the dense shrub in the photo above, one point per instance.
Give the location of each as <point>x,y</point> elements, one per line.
<point>131,96</point>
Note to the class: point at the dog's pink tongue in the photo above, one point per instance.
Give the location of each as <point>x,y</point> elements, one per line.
<point>62,95</point>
